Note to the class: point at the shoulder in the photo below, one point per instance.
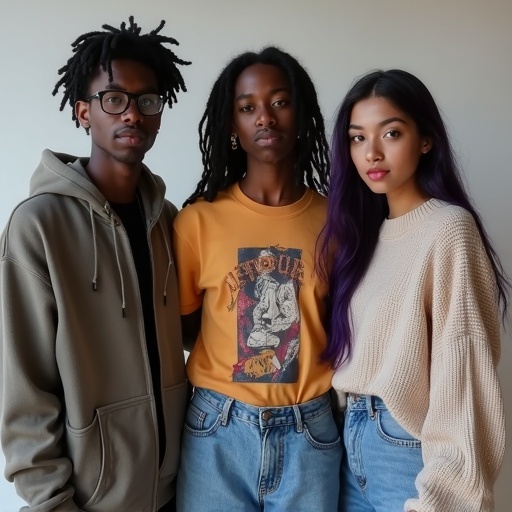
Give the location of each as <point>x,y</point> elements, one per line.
<point>202,209</point>
<point>29,223</point>
<point>457,246</point>
<point>35,210</point>
<point>453,225</point>
<point>189,215</point>
<point>450,213</point>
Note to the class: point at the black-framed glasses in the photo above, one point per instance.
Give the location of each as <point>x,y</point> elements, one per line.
<point>117,102</point>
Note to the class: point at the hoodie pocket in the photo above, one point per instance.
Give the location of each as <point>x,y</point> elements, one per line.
<point>114,458</point>
<point>174,405</point>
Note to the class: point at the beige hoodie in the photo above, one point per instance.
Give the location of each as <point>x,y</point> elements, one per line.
<point>78,418</point>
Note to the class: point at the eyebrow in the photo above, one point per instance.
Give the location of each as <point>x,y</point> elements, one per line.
<point>382,123</point>
<point>116,87</point>
<point>113,85</point>
<point>273,91</point>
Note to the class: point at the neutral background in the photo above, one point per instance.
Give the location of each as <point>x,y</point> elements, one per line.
<point>460,48</point>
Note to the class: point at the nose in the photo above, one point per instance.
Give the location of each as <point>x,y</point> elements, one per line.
<point>132,114</point>
<point>265,118</point>
<point>373,151</point>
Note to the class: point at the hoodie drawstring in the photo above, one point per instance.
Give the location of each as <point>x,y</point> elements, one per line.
<point>95,244</point>
<point>113,229</point>
<point>169,262</point>
<point>116,249</point>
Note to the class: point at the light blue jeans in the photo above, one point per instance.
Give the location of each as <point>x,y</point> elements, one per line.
<point>238,457</point>
<point>381,459</point>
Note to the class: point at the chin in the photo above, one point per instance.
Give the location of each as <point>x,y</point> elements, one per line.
<point>376,188</point>
<point>132,157</point>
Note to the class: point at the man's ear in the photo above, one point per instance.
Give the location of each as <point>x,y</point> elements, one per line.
<point>82,113</point>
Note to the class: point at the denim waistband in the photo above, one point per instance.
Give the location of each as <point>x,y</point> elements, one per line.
<point>365,402</point>
<point>265,416</point>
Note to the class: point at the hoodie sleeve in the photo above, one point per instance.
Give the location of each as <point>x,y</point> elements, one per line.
<point>32,416</point>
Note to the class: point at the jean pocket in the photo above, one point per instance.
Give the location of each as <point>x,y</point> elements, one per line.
<point>321,432</point>
<point>202,419</point>
<point>392,432</point>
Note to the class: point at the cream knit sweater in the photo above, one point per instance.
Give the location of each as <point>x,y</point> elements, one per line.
<point>426,341</point>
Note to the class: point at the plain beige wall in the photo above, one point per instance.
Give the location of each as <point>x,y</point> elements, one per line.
<point>460,48</point>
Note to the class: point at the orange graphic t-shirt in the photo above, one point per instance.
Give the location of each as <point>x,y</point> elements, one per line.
<point>251,268</point>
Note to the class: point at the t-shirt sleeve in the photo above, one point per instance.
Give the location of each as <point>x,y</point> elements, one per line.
<point>186,253</point>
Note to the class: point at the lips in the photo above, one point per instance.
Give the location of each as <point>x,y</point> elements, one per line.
<point>266,138</point>
<point>377,174</point>
<point>131,136</point>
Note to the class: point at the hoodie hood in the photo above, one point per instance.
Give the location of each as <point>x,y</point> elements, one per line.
<point>60,173</point>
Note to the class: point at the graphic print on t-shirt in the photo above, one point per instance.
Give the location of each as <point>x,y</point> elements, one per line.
<point>265,287</point>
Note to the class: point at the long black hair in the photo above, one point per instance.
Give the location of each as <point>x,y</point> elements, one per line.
<point>95,49</point>
<point>223,166</point>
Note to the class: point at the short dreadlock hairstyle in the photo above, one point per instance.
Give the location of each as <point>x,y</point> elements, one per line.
<point>224,166</point>
<point>101,48</point>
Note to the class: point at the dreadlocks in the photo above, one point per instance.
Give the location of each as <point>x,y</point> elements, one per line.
<point>223,166</point>
<point>101,48</point>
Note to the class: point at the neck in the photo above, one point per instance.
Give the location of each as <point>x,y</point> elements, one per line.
<point>117,181</point>
<point>271,185</point>
<point>400,204</point>
<point>271,191</point>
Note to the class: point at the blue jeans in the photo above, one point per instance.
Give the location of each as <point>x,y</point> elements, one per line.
<point>236,456</point>
<point>381,459</point>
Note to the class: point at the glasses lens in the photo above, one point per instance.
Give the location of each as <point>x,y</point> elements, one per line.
<point>150,104</point>
<point>114,102</point>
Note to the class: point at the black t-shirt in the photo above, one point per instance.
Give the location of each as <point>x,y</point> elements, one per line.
<point>134,221</point>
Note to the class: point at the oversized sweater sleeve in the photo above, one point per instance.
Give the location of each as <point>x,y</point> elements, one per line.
<point>32,419</point>
<point>463,436</point>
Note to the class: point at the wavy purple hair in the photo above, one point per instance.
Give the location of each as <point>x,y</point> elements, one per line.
<point>355,213</point>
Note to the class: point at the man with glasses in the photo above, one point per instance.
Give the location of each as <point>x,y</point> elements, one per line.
<point>92,370</point>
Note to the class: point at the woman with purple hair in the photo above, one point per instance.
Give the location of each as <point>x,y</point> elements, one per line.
<point>416,286</point>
